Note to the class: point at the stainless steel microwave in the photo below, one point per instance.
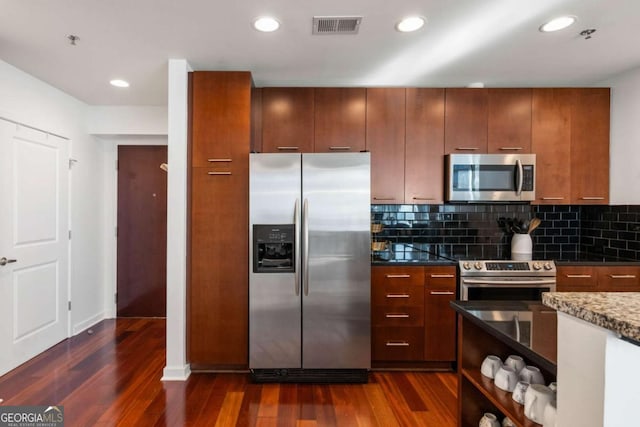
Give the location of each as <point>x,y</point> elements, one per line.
<point>490,177</point>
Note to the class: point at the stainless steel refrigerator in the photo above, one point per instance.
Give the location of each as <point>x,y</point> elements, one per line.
<point>309,287</point>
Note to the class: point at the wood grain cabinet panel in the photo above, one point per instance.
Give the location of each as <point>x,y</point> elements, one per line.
<point>385,133</point>
<point>219,121</point>
<point>576,279</point>
<point>424,145</point>
<point>340,115</point>
<point>397,344</point>
<point>440,318</point>
<point>590,146</point>
<point>465,120</point>
<point>287,119</point>
<point>509,121</point>
<point>551,143</point>
<point>618,278</point>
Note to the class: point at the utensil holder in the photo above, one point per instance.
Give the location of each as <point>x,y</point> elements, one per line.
<point>521,247</point>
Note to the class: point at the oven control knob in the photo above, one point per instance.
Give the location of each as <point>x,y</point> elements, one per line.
<point>478,265</point>
<point>547,266</point>
<point>466,266</point>
<point>536,266</point>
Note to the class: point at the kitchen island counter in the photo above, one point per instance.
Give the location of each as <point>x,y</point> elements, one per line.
<point>617,311</point>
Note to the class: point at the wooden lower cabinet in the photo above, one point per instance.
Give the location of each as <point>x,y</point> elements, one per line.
<point>598,278</point>
<point>411,317</point>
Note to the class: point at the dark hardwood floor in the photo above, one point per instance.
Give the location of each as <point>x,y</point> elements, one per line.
<point>112,377</point>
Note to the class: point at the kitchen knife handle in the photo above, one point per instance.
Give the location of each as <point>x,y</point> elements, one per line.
<point>305,245</point>
<point>296,226</point>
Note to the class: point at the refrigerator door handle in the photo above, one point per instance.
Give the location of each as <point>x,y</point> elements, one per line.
<point>305,246</point>
<point>296,223</point>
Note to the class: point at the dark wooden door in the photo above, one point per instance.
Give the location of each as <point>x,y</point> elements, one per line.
<point>287,120</point>
<point>142,231</point>
<point>465,121</point>
<point>339,123</point>
<point>509,120</point>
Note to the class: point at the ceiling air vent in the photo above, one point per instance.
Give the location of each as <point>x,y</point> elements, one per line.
<point>336,24</point>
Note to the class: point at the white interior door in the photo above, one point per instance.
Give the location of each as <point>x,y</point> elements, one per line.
<point>33,243</point>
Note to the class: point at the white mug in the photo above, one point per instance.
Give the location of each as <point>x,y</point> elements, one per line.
<point>489,420</point>
<point>508,423</point>
<point>490,366</point>
<point>532,375</point>
<point>506,378</point>
<point>549,416</point>
<point>516,362</point>
<point>535,401</point>
<point>519,391</point>
<point>554,386</point>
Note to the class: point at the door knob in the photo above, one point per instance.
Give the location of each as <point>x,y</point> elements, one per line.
<point>4,261</point>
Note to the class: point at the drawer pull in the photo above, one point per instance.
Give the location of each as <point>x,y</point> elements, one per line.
<point>442,293</point>
<point>218,160</point>
<point>467,148</point>
<point>423,198</point>
<point>384,198</point>
<point>552,198</point>
<point>592,198</point>
<point>578,276</point>
<point>442,276</point>
<point>287,148</point>
<point>397,344</point>
<point>218,173</point>
<point>398,295</point>
<point>396,316</point>
<point>510,148</point>
<point>622,276</point>
<point>547,312</point>
<point>398,276</point>
<point>339,148</point>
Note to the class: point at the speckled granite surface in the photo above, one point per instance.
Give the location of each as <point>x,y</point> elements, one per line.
<point>616,311</point>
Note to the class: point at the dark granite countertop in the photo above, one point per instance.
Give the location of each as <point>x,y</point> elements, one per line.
<point>413,262</point>
<point>474,310</point>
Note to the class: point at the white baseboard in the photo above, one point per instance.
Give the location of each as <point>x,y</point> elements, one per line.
<point>176,373</point>
<point>87,323</point>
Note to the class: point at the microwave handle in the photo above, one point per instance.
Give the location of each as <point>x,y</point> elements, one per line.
<point>519,177</point>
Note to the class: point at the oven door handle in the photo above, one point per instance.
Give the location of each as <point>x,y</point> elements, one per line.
<point>519,283</point>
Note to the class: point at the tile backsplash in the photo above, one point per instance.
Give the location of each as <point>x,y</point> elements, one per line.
<point>471,231</point>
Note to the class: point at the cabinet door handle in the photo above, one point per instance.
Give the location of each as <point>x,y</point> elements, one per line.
<point>398,276</point>
<point>423,198</point>
<point>467,148</point>
<point>592,198</point>
<point>551,198</point>
<point>384,198</point>
<point>218,173</point>
<point>218,160</point>
<point>396,316</point>
<point>578,276</point>
<point>287,148</point>
<point>398,295</point>
<point>547,312</point>
<point>442,276</point>
<point>340,148</point>
<point>442,293</point>
<point>397,344</point>
<point>622,276</point>
<point>510,148</point>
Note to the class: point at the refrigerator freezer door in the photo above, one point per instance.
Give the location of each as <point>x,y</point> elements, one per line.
<point>336,297</point>
<point>274,298</point>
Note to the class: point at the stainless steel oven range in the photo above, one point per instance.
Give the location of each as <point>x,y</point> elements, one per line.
<point>506,280</point>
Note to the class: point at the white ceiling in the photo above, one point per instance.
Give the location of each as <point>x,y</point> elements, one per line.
<point>492,41</point>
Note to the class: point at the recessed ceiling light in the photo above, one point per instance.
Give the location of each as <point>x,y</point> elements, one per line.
<point>557,24</point>
<point>266,24</point>
<point>119,83</point>
<point>411,23</point>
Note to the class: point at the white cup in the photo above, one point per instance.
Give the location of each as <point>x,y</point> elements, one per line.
<point>490,366</point>
<point>508,423</point>
<point>532,375</point>
<point>554,386</point>
<point>519,391</point>
<point>516,362</point>
<point>549,415</point>
<point>506,378</point>
<point>489,420</point>
<point>535,401</point>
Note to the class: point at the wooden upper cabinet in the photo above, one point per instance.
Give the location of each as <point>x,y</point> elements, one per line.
<point>220,115</point>
<point>287,120</point>
<point>590,146</point>
<point>551,142</point>
<point>465,120</point>
<point>385,140</point>
<point>509,121</point>
<point>424,145</point>
<point>339,119</point>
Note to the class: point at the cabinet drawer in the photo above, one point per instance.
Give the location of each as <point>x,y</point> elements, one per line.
<point>397,276</point>
<point>576,279</point>
<point>397,344</point>
<point>618,279</point>
<point>397,294</point>
<point>398,316</point>
<point>443,278</point>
